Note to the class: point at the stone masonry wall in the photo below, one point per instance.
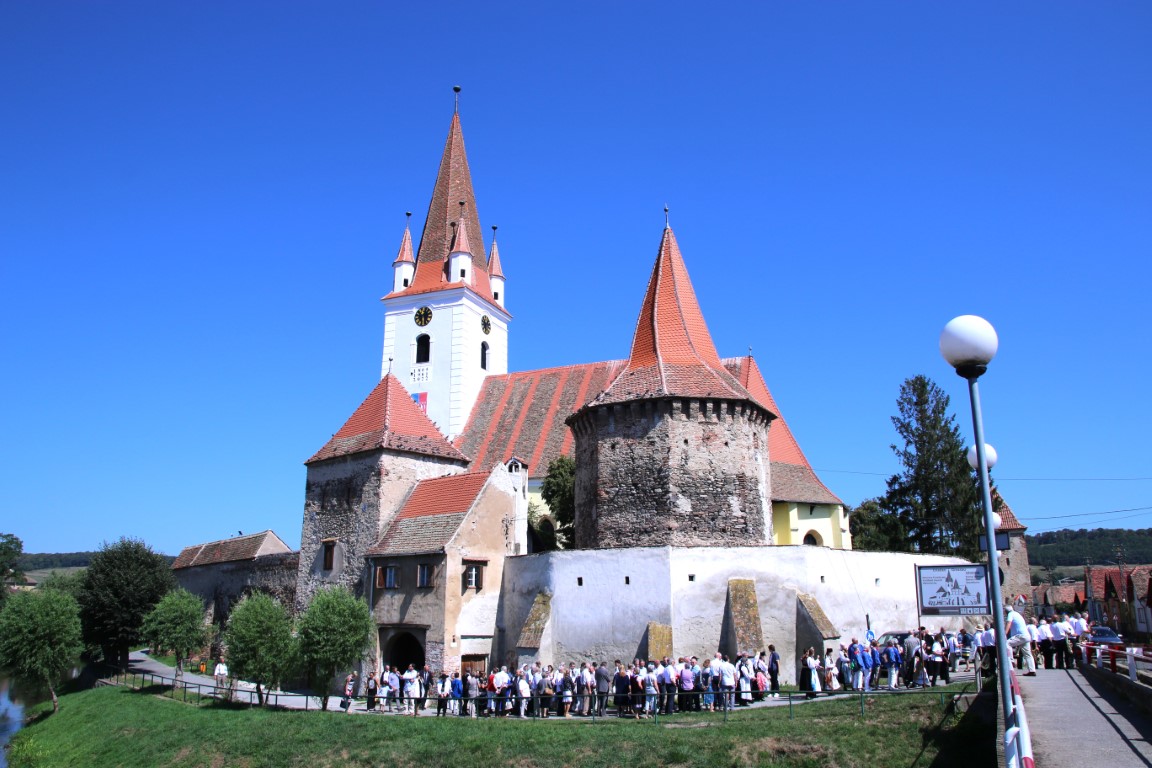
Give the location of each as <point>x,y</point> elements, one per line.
<point>1017,573</point>
<point>351,499</point>
<point>678,472</point>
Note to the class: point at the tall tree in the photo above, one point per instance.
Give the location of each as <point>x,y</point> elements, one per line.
<point>177,624</point>
<point>122,585</point>
<point>40,636</point>
<point>261,648</point>
<point>935,497</point>
<point>875,529</point>
<point>559,492</point>
<point>334,632</point>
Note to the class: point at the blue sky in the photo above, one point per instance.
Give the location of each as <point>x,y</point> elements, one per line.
<point>200,204</point>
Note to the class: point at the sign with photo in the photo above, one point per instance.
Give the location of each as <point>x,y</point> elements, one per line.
<point>952,590</point>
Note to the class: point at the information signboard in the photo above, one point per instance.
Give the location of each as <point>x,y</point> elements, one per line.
<point>952,590</point>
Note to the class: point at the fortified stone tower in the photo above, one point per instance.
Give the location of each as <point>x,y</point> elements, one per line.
<point>675,450</point>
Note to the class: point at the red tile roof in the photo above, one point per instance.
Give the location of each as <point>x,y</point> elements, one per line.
<point>230,550</point>
<point>494,268</point>
<point>522,414</point>
<point>388,419</point>
<point>460,242</point>
<point>431,515</point>
<point>405,254</point>
<point>453,186</point>
<point>672,351</point>
<point>1097,577</point>
<point>793,478</point>
<point>1008,519</point>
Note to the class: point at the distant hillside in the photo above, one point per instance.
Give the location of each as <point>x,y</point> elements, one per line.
<point>1098,547</point>
<point>52,560</point>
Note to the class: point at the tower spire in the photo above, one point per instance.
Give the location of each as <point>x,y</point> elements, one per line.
<point>672,352</point>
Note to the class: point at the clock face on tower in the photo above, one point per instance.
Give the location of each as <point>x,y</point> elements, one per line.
<point>485,324</point>
<point>423,316</point>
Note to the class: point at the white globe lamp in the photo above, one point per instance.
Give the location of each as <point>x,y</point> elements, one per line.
<point>989,456</point>
<point>969,343</point>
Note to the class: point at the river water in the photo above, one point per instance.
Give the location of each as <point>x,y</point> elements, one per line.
<point>11,717</point>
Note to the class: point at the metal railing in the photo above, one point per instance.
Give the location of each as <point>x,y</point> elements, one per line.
<point>1110,654</point>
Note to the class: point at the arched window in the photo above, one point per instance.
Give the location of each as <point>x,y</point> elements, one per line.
<point>423,348</point>
<point>811,540</point>
<point>484,355</point>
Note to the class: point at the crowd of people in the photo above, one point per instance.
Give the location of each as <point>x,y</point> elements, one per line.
<point>639,689</point>
<point>665,686</point>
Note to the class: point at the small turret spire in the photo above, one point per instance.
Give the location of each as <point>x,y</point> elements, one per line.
<point>456,90</point>
<point>667,221</point>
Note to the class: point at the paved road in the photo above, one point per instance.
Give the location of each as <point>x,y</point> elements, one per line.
<point>1074,723</point>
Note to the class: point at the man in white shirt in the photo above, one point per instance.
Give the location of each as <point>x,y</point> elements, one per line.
<point>1019,641</point>
<point>1047,647</point>
<point>1060,632</point>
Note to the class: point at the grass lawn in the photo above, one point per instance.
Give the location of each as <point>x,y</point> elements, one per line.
<point>112,726</point>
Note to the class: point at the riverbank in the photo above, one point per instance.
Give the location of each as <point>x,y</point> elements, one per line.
<point>116,726</point>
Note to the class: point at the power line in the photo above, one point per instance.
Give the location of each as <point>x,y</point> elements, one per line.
<point>884,474</point>
<point>1092,514</point>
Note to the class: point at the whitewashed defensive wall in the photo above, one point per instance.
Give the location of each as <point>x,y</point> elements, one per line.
<point>600,604</point>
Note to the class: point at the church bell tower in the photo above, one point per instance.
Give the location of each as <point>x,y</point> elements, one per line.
<point>445,325</point>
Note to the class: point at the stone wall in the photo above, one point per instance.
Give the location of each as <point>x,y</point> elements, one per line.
<point>349,500</point>
<point>221,585</point>
<point>1017,572</point>
<point>679,472</point>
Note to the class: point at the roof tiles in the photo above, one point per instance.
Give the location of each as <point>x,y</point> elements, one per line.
<point>431,515</point>
<point>453,186</point>
<point>672,350</point>
<point>230,550</point>
<point>388,419</point>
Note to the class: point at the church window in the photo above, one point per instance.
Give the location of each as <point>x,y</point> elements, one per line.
<point>423,348</point>
<point>484,355</point>
<point>423,575</point>
<point>496,295</point>
<point>579,581</point>
<point>811,540</point>
<point>463,274</point>
<point>405,282</point>
<point>329,554</point>
<point>388,577</point>
<point>473,576</point>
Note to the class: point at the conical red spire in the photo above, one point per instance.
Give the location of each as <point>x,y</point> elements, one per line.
<point>405,254</point>
<point>452,200</point>
<point>672,351</point>
<point>462,245</point>
<point>494,268</point>
<point>453,186</point>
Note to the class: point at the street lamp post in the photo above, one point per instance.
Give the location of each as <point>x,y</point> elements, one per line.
<point>969,343</point>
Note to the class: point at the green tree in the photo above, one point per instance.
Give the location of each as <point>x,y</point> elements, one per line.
<point>334,632</point>
<point>261,648</point>
<point>40,636</point>
<point>68,583</point>
<point>177,624</point>
<point>935,497</point>
<point>875,529</point>
<point>559,493</point>
<point>10,550</point>
<point>122,585</point>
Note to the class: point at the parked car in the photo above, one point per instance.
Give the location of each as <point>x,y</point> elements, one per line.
<point>1102,635</point>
